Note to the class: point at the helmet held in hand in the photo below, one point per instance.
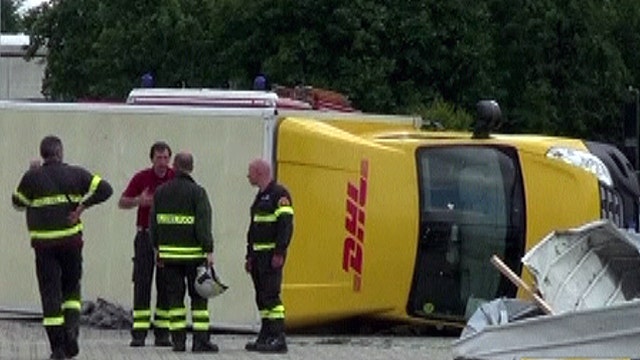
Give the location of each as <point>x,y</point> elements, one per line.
<point>207,283</point>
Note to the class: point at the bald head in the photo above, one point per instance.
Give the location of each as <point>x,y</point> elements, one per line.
<point>259,173</point>
<point>183,162</point>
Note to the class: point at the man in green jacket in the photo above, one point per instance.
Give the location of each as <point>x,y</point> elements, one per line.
<point>180,230</point>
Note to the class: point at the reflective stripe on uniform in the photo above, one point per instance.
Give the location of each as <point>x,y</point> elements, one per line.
<point>177,252</point>
<point>23,199</point>
<point>277,312</point>
<point>200,320</point>
<point>141,319</point>
<point>178,319</point>
<point>95,181</point>
<point>141,325</point>
<point>71,305</point>
<point>265,218</point>
<point>263,246</point>
<point>56,234</point>
<point>178,312</point>
<point>268,218</point>
<point>162,319</point>
<point>284,210</point>
<point>53,321</point>
<point>161,324</point>
<point>141,313</point>
<point>54,200</point>
<point>175,219</point>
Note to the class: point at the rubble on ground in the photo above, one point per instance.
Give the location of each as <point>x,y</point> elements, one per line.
<point>105,315</point>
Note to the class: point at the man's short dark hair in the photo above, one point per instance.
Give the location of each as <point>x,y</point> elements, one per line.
<point>50,147</point>
<point>183,162</point>
<point>159,146</point>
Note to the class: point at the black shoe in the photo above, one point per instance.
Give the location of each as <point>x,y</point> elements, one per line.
<point>162,342</point>
<point>57,354</point>
<point>201,347</point>
<point>71,348</point>
<point>273,345</point>
<point>179,347</point>
<point>136,343</point>
<point>251,346</point>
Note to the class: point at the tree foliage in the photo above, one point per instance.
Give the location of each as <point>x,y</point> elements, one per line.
<point>10,20</point>
<point>555,66</point>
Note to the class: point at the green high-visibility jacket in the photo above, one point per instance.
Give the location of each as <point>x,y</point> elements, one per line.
<point>180,221</point>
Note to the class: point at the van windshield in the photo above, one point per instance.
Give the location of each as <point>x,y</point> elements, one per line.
<point>472,206</point>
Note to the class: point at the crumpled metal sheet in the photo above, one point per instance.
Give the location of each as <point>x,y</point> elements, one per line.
<point>593,266</point>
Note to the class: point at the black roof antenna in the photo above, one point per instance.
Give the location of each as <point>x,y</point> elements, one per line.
<point>488,116</point>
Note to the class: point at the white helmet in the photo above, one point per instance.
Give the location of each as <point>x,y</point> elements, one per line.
<point>207,283</point>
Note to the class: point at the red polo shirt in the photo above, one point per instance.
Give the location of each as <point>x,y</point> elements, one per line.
<point>145,179</point>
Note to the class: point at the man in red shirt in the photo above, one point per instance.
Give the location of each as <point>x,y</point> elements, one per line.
<point>139,193</point>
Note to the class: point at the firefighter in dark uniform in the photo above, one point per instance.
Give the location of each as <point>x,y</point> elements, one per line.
<point>180,230</point>
<point>268,239</point>
<point>54,195</point>
<point>139,194</point>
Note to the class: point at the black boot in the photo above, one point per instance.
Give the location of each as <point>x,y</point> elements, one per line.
<point>253,345</point>
<point>56,341</point>
<point>179,340</point>
<point>201,343</point>
<point>275,342</point>
<point>137,338</point>
<point>72,330</point>
<point>162,337</point>
<point>57,354</point>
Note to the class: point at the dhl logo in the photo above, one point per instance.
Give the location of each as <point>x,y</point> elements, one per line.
<point>353,251</point>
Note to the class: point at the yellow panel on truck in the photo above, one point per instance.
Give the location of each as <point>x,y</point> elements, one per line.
<point>399,224</point>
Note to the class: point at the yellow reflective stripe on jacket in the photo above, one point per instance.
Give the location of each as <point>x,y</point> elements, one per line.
<point>284,210</point>
<point>53,321</point>
<point>273,217</point>
<point>263,246</point>
<point>56,234</point>
<point>175,219</point>
<point>71,305</point>
<point>95,181</point>
<point>265,218</point>
<point>176,252</point>
<point>55,200</point>
<point>23,199</point>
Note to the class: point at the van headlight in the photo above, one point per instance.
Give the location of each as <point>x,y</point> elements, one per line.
<point>583,160</point>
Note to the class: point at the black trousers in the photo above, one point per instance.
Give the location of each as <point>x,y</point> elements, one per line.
<point>59,270</point>
<point>144,263</point>
<point>180,278</point>
<point>267,283</point>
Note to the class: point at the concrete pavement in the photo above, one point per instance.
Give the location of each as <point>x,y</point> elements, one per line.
<point>20,340</point>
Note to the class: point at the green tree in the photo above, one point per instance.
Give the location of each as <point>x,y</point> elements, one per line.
<point>104,51</point>
<point>10,21</point>
<point>555,66</point>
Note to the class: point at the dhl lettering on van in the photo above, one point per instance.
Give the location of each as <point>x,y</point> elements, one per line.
<point>353,251</point>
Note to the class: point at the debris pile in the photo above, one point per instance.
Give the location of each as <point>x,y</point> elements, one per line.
<point>105,315</point>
